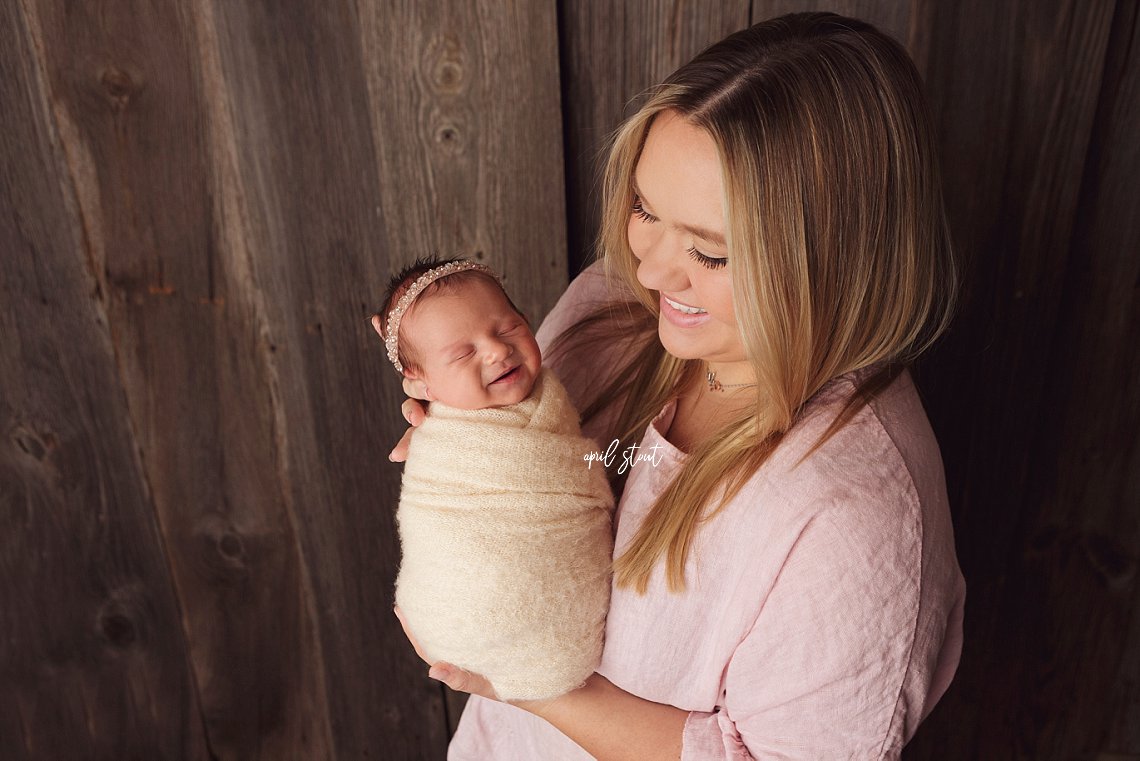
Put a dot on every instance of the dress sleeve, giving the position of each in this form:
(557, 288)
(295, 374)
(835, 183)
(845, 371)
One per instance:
(820, 674)
(589, 289)
(584, 370)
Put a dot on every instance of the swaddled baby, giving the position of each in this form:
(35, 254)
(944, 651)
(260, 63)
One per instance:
(505, 533)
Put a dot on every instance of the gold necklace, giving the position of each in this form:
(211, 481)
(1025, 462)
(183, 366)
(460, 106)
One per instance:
(715, 385)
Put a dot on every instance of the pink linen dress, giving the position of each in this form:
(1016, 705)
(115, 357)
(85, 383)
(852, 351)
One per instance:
(823, 612)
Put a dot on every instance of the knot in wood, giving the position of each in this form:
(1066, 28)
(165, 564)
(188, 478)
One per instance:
(449, 130)
(445, 65)
(222, 551)
(120, 621)
(29, 443)
(448, 135)
(119, 86)
(230, 546)
(1110, 560)
(118, 630)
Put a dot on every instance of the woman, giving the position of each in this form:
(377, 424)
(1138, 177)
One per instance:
(774, 252)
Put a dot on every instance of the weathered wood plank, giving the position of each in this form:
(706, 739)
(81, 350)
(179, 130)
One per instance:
(1080, 533)
(399, 144)
(467, 131)
(889, 16)
(1015, 88)
(128, 95)
(92, 655)
(611, 53)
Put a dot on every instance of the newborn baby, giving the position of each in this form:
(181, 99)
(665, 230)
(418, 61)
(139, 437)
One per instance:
(505, 533)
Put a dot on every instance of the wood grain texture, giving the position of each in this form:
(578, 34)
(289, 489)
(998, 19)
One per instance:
(1016, 89)
(889, 16)
(307, 197)
(379, 169)
(132, 114)
(1100, 431)
(611, 54)
(92, 655)
(467, 136)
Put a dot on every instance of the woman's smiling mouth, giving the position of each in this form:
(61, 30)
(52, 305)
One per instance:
(683, 308)
(683, 315)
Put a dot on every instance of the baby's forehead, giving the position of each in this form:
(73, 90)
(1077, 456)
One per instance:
(455, 312)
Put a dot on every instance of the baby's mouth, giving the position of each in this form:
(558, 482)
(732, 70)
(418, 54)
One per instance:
(508, 376)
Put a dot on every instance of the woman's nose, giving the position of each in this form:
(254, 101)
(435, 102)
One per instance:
(662, 267)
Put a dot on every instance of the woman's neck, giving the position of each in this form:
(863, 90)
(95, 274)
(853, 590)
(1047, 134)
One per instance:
(701, 411)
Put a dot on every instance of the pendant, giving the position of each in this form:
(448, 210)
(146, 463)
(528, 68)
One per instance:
(714, 384)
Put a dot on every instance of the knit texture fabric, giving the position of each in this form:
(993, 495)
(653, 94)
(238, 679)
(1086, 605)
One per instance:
(507, 543)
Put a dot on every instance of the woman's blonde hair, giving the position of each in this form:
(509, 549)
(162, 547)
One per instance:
(839, 247)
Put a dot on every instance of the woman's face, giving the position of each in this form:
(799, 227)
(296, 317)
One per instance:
(677, 232)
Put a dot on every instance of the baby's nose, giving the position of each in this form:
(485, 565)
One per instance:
(496, 353)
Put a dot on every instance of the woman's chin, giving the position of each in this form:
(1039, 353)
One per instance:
(692, 347)
(678, 346)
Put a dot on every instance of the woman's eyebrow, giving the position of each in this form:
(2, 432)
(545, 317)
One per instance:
(701, 232)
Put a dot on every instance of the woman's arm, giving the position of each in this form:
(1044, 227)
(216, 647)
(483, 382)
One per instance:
(606, 721)
(610, 723)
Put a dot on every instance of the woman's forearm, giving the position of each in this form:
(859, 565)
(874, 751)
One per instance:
(612, 724)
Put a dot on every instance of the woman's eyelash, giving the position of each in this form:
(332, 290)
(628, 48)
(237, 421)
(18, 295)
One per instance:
(712, 262)
(641, 213)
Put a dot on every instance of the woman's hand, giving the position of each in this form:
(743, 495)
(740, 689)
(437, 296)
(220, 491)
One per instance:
(607, 721)
(453, 676)
(414, 411)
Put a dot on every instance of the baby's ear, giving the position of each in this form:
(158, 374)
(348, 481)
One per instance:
(415, 386)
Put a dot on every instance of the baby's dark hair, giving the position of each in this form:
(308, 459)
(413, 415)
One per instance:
(403, 279)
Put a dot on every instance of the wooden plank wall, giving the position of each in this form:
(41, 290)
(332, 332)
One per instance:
(200, 203)
(207, 198)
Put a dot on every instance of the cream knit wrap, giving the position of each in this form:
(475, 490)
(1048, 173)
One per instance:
(507, 543)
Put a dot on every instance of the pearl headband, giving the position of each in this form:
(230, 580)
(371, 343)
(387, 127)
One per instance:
(392, 340)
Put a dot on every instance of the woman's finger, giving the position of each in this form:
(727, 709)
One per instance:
(413, 411)
(400, 452)
(461, 680)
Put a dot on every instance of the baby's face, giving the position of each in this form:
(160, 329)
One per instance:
(475, 351)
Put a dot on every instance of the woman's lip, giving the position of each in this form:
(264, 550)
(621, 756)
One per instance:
(679, 318)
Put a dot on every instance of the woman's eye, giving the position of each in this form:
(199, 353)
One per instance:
(640, 212)
(712, 262)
